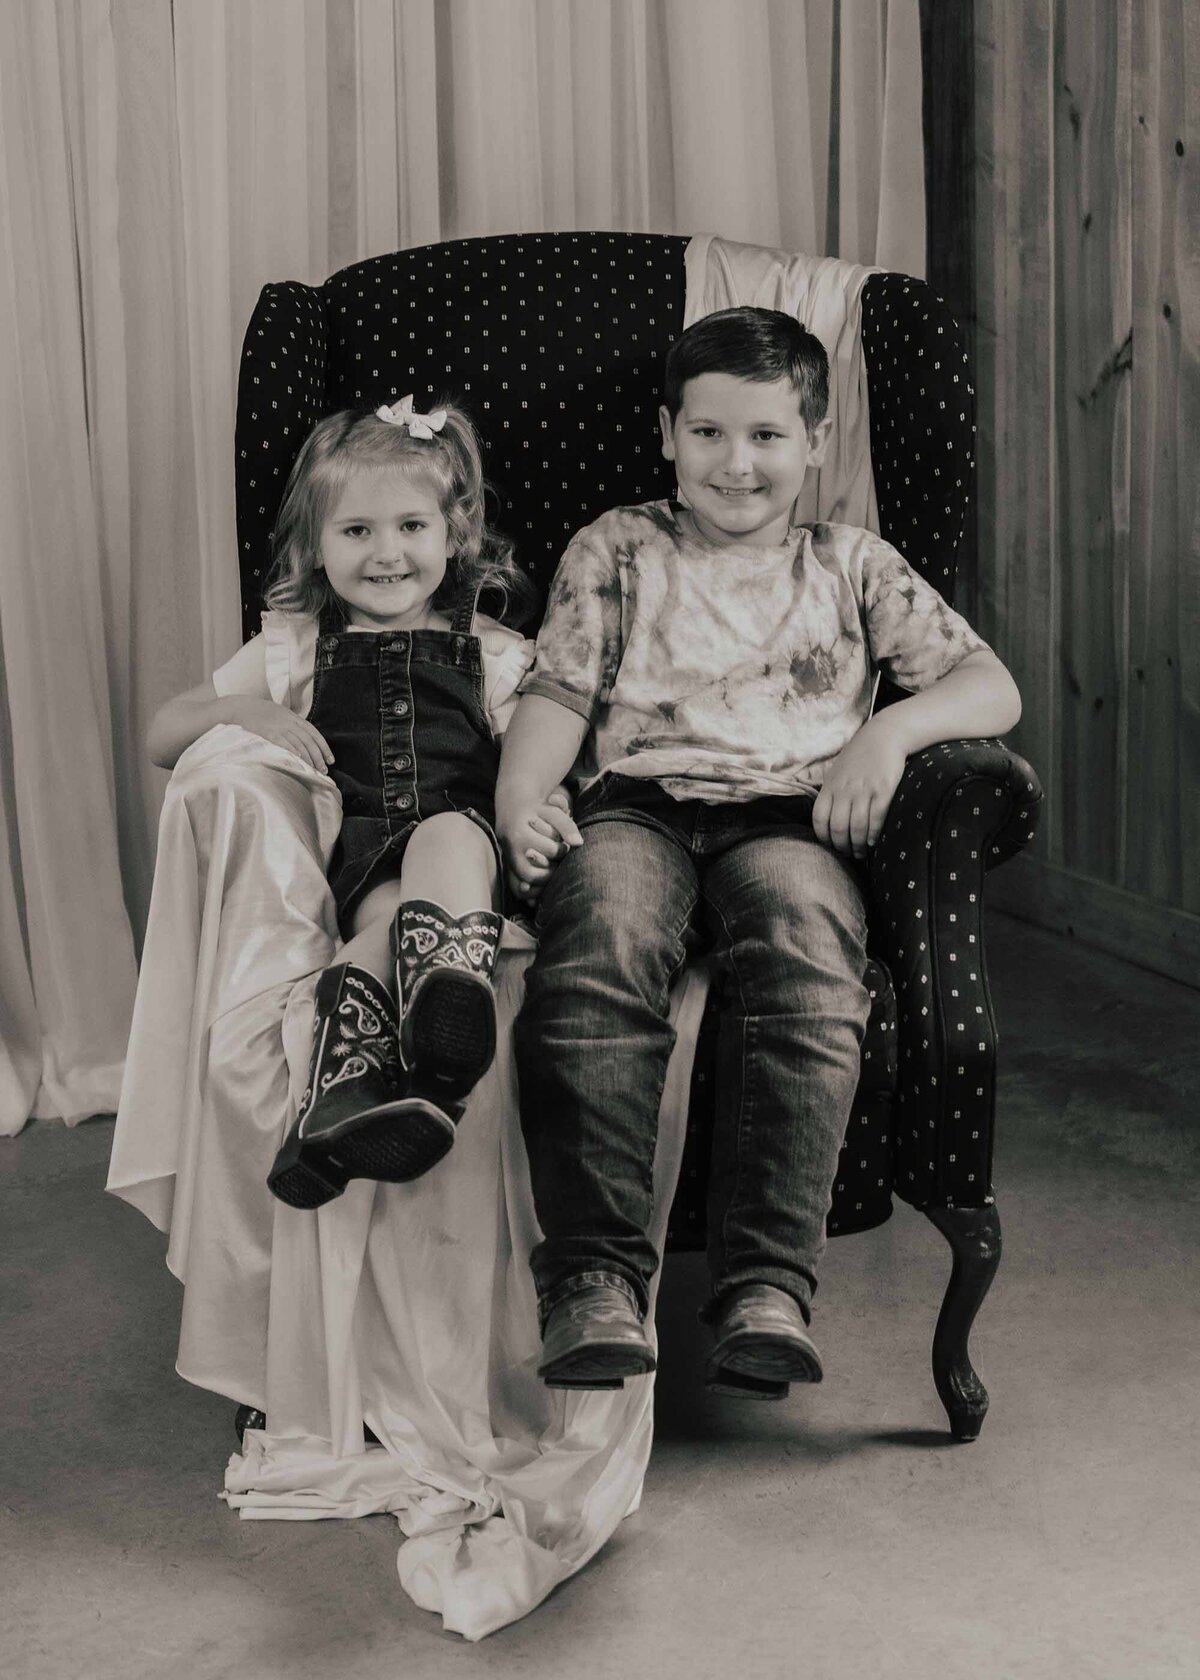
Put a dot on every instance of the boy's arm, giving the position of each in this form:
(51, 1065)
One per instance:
(978, 697)
(540, 746)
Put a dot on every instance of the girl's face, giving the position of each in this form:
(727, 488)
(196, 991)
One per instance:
(384, 547)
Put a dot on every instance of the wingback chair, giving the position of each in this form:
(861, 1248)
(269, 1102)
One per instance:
(555, 343)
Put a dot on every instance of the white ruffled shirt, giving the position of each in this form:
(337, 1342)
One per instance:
(279, 664)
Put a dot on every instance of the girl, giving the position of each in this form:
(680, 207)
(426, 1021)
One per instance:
(374, 666)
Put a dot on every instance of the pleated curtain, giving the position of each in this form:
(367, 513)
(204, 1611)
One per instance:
(158, 164)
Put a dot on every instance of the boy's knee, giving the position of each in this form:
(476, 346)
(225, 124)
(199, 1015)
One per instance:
(595, 919)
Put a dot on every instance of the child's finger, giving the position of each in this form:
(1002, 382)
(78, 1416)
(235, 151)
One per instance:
(535, 860)
(860, 825)
(820, 817)
(839, 825)
(303, 748)
(563, 825)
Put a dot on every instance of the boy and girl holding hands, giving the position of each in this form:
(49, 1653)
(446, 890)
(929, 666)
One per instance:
(704, 676)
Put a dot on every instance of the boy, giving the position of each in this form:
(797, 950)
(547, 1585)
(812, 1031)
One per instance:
(715, 663)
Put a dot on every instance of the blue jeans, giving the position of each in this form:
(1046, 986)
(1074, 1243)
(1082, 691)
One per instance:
(655, 879)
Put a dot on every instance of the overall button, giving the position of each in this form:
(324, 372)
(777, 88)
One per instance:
(328, 643)
(403, 801)
(404, 762)
(400, 707)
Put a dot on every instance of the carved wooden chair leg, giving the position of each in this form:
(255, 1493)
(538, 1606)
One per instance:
(974, 1238)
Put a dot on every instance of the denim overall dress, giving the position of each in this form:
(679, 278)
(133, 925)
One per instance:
(403, 712)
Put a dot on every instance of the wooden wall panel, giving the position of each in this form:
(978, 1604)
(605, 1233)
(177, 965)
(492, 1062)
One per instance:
(1087, 258)
(1163, 862)
(1016, 592)
(1090, 163)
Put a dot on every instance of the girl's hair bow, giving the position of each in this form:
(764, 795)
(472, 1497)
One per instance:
(418, 425)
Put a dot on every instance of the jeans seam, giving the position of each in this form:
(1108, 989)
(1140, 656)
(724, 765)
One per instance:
(745, 1103)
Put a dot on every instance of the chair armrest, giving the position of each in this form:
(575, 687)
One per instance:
(962, 807)
(281, 396)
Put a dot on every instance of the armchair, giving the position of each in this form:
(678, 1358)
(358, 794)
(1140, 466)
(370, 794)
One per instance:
(555, 342)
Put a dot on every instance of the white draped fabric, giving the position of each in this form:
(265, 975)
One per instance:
(158, 164)
(408, 1306)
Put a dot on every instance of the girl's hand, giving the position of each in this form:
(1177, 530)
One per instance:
(533, 838)
(278, 725)
(858, 788)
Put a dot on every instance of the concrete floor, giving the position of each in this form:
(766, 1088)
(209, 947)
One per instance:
(841, 1535)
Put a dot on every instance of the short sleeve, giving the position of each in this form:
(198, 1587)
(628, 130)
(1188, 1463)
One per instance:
(246, 672)
(915, 638)
(507, 657)
(579, 644)
(277, 664)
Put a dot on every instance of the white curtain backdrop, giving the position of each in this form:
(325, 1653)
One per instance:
(159, 164)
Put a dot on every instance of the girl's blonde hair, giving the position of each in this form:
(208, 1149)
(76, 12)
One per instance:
(449, 462)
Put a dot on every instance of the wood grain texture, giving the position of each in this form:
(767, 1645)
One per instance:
(1016, 605)
(1093, 355)
(1127, 925)
(1087, 275)
(1164, 716)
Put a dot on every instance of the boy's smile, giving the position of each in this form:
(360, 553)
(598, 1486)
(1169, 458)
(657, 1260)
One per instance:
(741, 451)
(384, 549)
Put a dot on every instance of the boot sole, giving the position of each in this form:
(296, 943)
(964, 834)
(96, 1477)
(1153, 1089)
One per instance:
(448, 1031)
(762, 1359)
(597, 1366)
(399, 1144)
(740, 1386)
(392, 1144)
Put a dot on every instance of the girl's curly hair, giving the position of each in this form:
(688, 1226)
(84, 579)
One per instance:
(450, 463)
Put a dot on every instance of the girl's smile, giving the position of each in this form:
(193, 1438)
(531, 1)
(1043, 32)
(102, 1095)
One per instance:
(384, 548)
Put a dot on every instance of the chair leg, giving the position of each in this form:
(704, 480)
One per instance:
(974, 1238)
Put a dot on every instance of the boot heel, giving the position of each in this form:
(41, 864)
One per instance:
(448, 1031)
(302, 1179)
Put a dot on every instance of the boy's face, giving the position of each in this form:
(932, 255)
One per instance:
(741, 450)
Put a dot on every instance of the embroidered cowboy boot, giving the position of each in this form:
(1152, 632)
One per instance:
(444, 966)
(354, 1119)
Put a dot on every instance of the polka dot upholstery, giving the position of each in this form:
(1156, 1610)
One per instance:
(281, 396)
(554, 343)
(922, 422)
(961, 808)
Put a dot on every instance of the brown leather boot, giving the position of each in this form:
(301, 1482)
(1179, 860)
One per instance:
(762, 1344)
(594, 1339)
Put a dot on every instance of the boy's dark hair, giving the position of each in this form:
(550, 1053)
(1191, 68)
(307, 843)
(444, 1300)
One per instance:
(751, 343)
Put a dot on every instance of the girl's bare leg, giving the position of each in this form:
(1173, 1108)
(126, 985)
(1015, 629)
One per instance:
(450, 861)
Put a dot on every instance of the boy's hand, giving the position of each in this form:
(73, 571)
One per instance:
(533, 837)
(278, 725)
(858, 788)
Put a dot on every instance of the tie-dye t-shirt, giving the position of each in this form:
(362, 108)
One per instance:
(730, 672)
